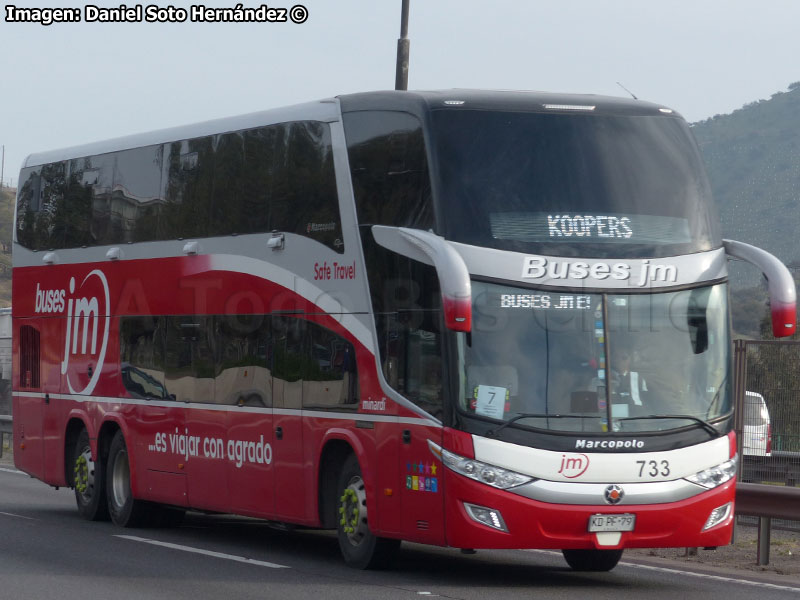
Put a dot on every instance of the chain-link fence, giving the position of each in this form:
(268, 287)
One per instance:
(768, 411)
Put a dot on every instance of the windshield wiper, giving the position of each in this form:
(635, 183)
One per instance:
(493, 432)
(704, 424)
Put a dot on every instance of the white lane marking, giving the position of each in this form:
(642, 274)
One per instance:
(232, 557)
(17, 516)
(772, 586)
(11, 471)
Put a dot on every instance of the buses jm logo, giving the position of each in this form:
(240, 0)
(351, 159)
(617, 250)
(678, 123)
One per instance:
(83, 323)
(574, 465)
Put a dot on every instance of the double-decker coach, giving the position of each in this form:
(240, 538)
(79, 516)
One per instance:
(464, 318)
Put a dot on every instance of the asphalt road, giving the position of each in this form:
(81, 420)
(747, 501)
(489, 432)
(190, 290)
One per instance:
(47, 550)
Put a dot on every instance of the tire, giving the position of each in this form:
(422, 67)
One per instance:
(592, 560)
(360, 548)
(88, 481)
(123, 508)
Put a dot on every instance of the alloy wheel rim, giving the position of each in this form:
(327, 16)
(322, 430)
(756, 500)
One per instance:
(353, 511)
(120, 479)
(84, 474)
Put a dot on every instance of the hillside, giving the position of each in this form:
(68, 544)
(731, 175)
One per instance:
(753, 161)
(6, 226)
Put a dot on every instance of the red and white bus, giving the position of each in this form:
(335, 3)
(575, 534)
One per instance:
(462, 318)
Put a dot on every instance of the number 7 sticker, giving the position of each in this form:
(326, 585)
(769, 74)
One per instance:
(491, 401)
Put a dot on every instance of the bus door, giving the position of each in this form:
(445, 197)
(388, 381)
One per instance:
(415, 366)
(422, 504)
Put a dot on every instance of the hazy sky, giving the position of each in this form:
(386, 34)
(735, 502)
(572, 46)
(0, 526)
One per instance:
(69, 83)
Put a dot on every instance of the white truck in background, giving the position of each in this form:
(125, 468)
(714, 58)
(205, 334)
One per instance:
(756, 427)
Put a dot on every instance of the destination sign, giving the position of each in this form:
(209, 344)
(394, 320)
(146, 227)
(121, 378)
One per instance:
(546, 301)
(592, 228)
(598, 226)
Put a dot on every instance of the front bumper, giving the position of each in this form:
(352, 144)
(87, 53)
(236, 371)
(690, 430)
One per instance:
(536, 524)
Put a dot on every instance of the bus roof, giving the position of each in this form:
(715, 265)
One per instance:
(500, 100)
(321, 110)
(327, 110)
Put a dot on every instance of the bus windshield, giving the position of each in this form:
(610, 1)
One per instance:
(561, 358)
(572, 184)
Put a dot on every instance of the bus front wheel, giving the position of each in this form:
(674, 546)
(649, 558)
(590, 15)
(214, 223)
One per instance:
(88, 481)
(124, 509)
(360, 548)
(592, 560)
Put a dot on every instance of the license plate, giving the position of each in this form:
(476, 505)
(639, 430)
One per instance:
(621, 522)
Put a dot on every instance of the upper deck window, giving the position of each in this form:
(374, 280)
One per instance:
(252, 181)
(589, 185)
(389, 169)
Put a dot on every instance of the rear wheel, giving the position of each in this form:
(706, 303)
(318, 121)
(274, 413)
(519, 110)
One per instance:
(360, 548)
(124, 509)
(592, 560)
(88, 481)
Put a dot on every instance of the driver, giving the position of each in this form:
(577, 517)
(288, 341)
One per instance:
(629, 385)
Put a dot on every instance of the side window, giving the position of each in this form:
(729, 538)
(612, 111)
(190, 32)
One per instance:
(142, 341)
(136, 199)
(190, 363)
(29, 357)
(312, 367)
(245, 348)
(188, 185)
(332, 378)
(391, 185)
(304, 198)
(239, 208)
(407, 304)
(72, 222)
(278, 177)
(91, 180)
(54, 210)
(389, 169)
(291, 361)
(111, 198)
(29, 198)
(251, 181)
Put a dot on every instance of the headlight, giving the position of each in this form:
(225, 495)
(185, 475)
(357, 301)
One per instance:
(715, 476)
(483, 472)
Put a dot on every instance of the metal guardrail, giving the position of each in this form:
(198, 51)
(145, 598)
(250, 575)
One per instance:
(5, 428)
(771, 501)
(767, 502)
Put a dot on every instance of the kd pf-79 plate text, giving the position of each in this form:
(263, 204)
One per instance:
(619, 522)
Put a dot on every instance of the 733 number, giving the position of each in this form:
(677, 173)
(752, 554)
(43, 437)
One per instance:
(653, 468)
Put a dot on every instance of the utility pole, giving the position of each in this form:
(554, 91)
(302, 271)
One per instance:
(2, 167)
(403, 46)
